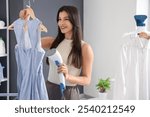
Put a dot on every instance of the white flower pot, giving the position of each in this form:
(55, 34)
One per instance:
(103, 96)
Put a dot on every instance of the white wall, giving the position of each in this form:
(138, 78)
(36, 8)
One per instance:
(148, 13)
(148, 23)
(105, 21)
(142, 8)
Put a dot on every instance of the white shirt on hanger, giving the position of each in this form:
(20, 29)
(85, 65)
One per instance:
(135, 66)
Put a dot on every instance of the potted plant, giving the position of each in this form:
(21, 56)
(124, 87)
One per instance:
(103, 86)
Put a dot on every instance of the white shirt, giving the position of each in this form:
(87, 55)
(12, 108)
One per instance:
(135, 68)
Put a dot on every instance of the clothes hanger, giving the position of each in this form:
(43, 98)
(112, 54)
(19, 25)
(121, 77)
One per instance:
(26, 14)
(43, 28)
(11, 27)
(30, 12)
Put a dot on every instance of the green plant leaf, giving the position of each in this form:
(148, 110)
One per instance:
(103, 84)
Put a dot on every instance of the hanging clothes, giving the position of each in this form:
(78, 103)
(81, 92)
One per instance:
(29, 56)
(135, 67)
(133, 82)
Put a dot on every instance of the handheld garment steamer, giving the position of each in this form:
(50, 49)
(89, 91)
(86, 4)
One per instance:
(55, 56)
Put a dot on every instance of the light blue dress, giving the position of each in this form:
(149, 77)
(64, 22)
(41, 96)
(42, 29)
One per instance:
(29, 56)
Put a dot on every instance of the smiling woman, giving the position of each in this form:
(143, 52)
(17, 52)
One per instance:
(64, 24)
(76, 55)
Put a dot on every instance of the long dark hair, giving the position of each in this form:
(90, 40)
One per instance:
(76, 52)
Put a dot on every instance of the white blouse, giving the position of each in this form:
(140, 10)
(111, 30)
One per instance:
(135, 68)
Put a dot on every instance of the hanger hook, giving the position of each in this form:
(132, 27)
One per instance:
(28, 2)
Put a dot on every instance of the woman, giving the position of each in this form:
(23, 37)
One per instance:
(76, 55)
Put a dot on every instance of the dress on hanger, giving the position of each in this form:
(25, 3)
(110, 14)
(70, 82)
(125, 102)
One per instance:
(29, 56)
(135, 64)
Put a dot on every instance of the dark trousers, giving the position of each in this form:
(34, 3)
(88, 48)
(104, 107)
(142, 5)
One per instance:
(54, 93)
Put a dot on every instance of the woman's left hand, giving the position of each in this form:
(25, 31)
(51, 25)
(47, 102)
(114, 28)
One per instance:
(63, 68)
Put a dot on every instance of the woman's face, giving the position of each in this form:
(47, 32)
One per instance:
(65, 24)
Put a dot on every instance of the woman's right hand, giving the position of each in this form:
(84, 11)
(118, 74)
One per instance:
(30, 12)
(25, 13)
